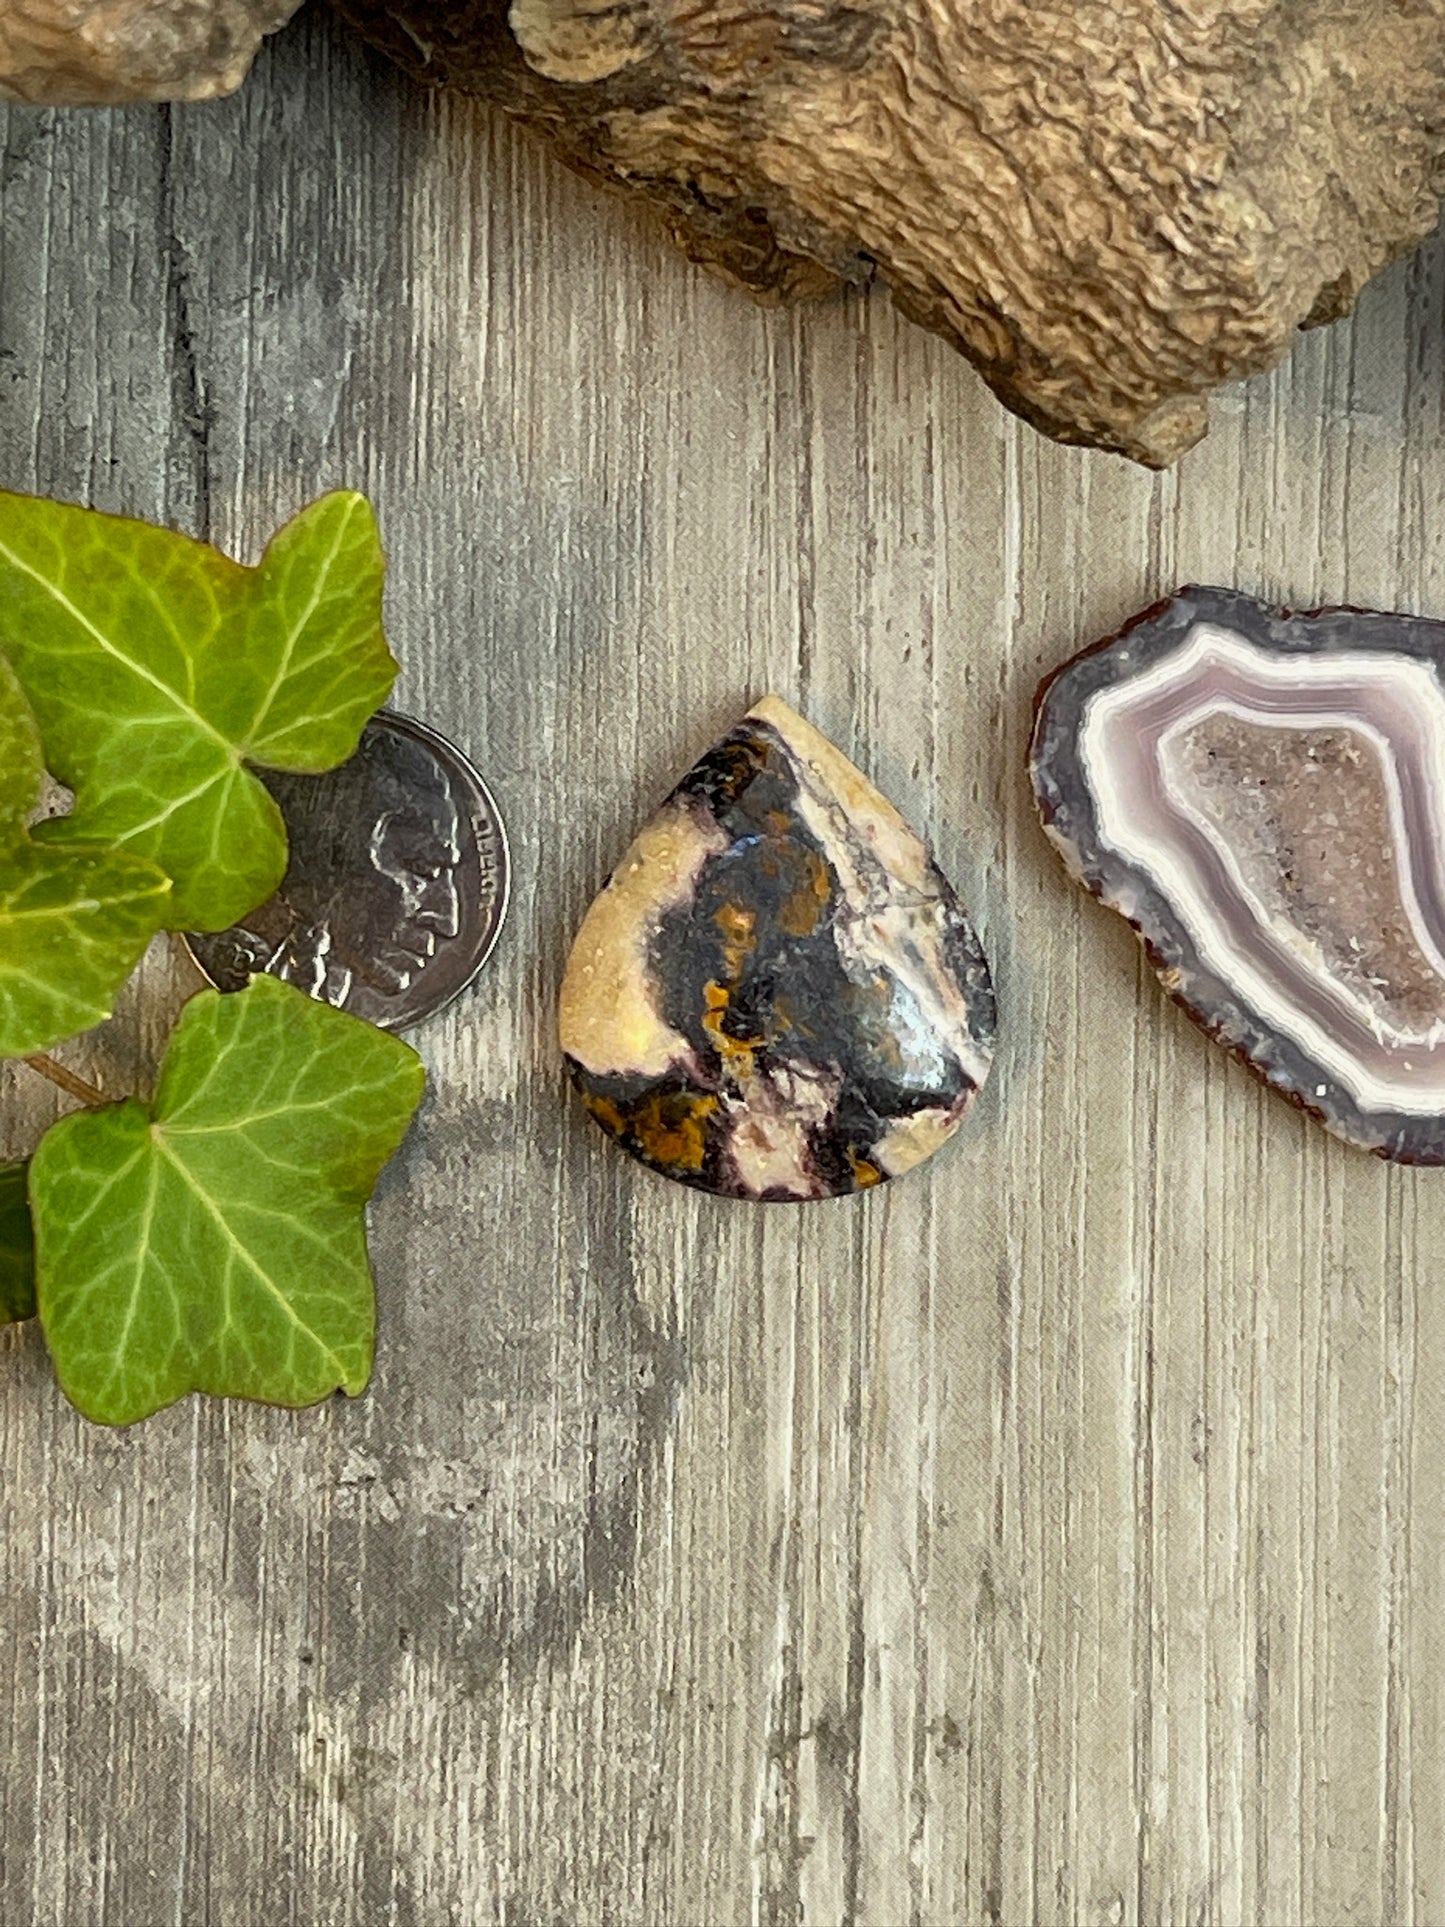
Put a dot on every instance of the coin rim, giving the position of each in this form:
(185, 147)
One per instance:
(434, 739)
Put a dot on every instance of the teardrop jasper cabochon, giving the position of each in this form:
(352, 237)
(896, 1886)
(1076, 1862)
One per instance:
(777, 995)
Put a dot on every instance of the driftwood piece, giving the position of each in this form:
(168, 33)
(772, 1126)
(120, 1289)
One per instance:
(1110, 206)
(95, 52)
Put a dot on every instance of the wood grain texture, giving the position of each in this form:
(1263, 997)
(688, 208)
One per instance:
(1050, 1538)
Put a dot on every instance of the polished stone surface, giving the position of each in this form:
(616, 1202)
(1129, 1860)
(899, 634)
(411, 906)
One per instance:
(777, 995)
(1262, 795)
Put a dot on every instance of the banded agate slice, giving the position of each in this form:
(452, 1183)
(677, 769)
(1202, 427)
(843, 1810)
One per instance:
(777, 996)
(1262, 795)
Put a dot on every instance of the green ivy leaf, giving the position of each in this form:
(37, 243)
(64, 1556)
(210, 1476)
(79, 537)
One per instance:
(73, 920)
(22, 760)
(215, 1240)
(17, 1248)
(158, 669)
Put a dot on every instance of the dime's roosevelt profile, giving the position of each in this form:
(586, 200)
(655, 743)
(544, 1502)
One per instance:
(395, 887)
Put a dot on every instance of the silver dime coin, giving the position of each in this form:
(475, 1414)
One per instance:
(396, 886)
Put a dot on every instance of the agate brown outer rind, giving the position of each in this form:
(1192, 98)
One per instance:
(1262, 795)
(777, 995)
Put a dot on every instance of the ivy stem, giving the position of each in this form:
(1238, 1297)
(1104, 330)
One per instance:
(72, 1085)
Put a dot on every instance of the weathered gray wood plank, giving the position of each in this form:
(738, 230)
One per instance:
(1050, 1540)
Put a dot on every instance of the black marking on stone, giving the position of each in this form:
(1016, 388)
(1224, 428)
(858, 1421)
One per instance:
(790, 999)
